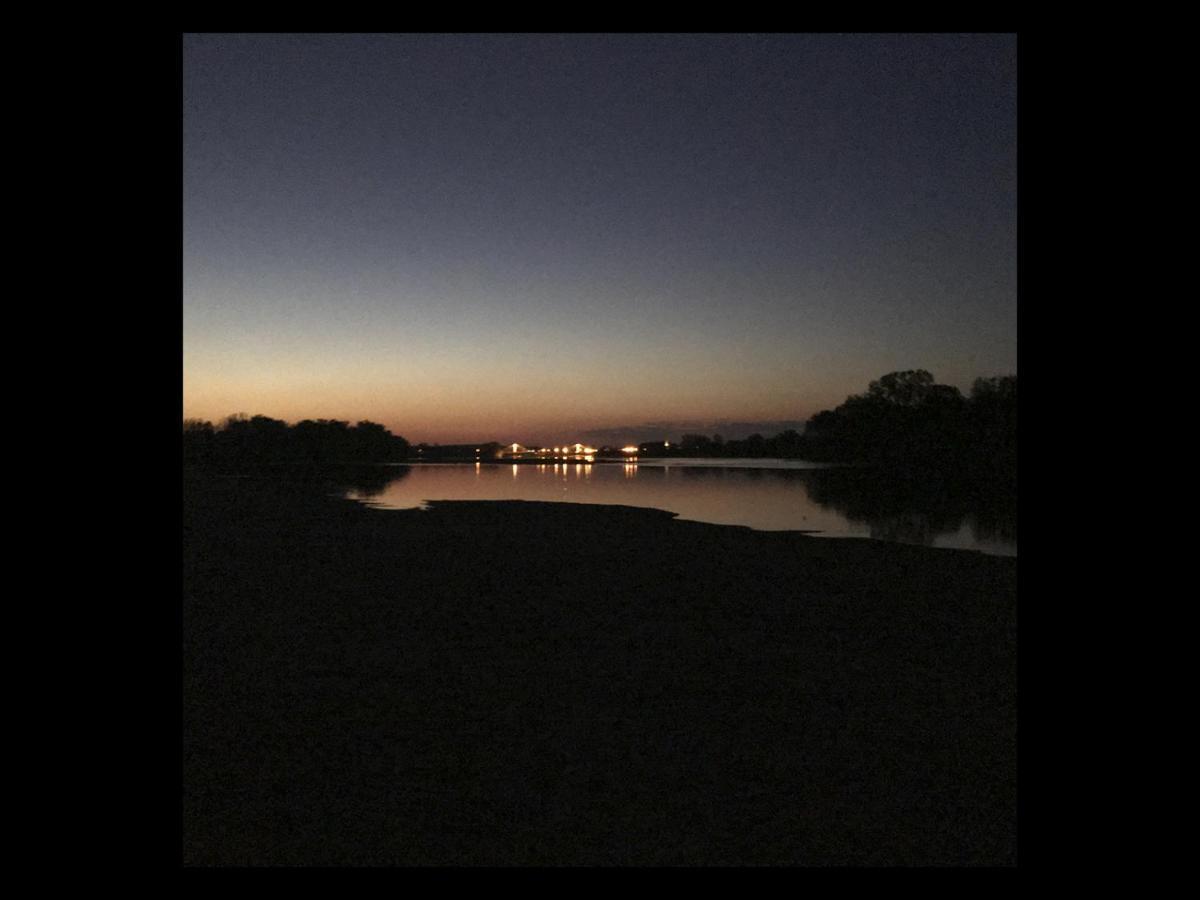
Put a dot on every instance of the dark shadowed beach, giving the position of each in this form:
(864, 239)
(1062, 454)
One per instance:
(520, 683)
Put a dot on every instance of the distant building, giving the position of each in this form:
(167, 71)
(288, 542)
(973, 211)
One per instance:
(575, 451)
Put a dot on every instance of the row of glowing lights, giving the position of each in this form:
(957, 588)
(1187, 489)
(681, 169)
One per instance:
(588, 453)
(578, 448)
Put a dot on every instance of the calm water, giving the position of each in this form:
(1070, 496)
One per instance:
(768, 495)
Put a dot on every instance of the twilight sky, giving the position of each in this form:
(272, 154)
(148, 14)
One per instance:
(532, 237)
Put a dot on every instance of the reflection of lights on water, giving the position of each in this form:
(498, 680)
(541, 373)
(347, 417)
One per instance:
(477, 468)
(515, 467)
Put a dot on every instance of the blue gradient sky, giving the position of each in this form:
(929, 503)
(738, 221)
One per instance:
(527, 237)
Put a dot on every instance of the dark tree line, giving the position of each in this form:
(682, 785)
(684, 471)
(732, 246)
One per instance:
(243, 440)
(488, 450)
(905, 419)
(786, 444)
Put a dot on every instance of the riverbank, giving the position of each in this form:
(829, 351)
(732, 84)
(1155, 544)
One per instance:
(520, 683)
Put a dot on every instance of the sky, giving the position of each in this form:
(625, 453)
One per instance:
(533, 237)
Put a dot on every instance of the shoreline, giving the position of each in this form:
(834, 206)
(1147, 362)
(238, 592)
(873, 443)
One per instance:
(531, 683)
(836, 503)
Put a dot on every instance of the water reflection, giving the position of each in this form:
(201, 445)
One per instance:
(834, 502)
(364, 482)
(919, 510)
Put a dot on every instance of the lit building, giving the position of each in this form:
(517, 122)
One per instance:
(565, 451)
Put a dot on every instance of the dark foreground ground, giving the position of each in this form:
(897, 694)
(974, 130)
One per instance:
(501, 683)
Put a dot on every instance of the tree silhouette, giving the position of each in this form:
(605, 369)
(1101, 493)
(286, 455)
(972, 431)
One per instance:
(243, 440)
(908, 419)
